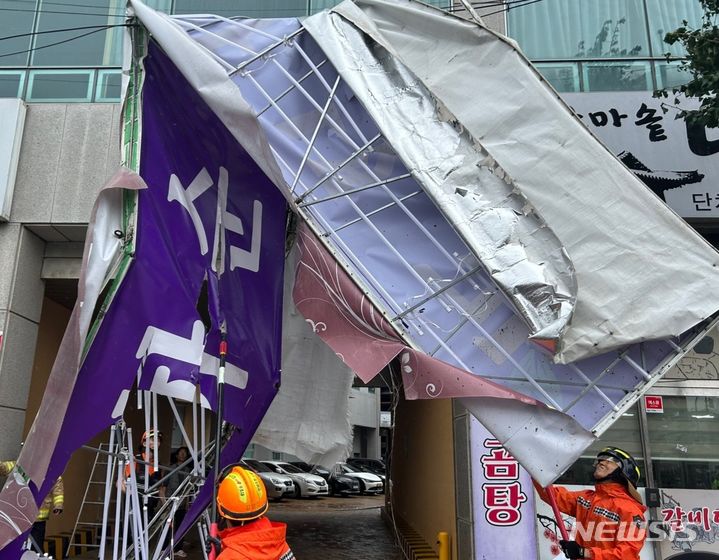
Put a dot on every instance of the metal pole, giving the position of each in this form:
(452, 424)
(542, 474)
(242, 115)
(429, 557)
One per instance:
(557, 513)
(443, 542)
(647, 454)
(214, 531)
(118, 508)
(106, 504)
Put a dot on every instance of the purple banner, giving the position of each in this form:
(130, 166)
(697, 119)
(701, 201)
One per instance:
(207, 202)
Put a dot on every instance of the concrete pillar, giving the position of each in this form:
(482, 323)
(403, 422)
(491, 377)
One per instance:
(21, 296)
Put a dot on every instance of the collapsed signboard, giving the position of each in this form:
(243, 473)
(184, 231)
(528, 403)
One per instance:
(469, 241)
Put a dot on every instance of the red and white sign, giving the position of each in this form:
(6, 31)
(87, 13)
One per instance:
(654, 403)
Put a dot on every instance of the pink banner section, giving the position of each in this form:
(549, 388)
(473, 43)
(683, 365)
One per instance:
(362, 337)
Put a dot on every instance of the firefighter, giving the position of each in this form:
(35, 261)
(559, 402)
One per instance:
(609, 519)
(150, 441)
(242, 503)
(53, 502)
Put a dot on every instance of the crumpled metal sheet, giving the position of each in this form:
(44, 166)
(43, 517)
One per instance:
(632, 283)
(406, 257)
(522, 255)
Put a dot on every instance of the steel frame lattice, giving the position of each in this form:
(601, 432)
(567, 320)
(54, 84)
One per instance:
(353, 189)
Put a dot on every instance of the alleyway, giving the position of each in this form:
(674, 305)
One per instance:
(333, 529)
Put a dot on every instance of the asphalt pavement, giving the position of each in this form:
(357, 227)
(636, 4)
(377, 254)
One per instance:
(331, 528)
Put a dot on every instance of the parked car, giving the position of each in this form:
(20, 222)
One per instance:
(277, 485)
(314, 469)
(369, 483)
(367, 466)
(306, 484)
(376, 466)
(342, 484)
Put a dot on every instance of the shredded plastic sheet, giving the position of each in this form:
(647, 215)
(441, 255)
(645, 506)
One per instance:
(309, 416)
(628, 287)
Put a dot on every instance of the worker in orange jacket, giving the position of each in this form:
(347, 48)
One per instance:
(242, 503)
(609, 519)
(53, 502)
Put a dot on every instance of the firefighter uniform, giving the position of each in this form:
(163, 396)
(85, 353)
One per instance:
(258, 540)
(610, 522)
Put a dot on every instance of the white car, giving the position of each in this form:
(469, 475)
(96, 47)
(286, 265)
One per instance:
(277, 485)
(369, 483)
(306, 484)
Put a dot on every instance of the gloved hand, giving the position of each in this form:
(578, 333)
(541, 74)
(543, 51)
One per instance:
(213, 542)
(571, 549)
(57, 511)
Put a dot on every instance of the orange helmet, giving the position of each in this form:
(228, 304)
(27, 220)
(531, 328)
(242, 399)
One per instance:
(241, 495)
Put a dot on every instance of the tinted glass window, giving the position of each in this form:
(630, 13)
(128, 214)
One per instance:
(554, 29)
(93, 46)
(248, 8)
(11, 84)
(617, 76)
(666, 16)
(60, 86)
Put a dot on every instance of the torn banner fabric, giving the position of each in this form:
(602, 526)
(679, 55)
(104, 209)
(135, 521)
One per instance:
(344, 318)
(208, 217)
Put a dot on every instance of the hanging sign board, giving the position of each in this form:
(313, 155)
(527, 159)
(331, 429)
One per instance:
(654, 404)
(678, 162)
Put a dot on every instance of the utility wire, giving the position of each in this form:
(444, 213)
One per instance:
(33, 33)
(63, 41)
(104, 14)
(47, 3)
(510, 4)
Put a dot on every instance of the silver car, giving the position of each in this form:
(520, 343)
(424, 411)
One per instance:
(277, 485)
(306, 484)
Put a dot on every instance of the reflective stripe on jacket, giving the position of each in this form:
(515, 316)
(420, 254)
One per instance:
(259, 540)
(54, 500)
(609, 521)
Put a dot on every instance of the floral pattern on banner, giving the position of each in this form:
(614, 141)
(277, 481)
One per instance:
(365, 340)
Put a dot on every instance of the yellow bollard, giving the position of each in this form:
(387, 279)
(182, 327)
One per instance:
(443, 542)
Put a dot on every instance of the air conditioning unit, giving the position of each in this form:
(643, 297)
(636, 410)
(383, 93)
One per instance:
(12, 122)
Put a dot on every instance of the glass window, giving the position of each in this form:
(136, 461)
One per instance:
(58, 85)
(319, 5)
(617, 76)
(684, 441)
(555, 29)
(562, 76)
(83, 47)
(249, 8)
(16, 19)
(669, 75)
(666, 16)
(11, 83)
(109, 85)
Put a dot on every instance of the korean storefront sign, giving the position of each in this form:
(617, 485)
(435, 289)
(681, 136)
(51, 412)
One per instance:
(503, 501)
(678, 162)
